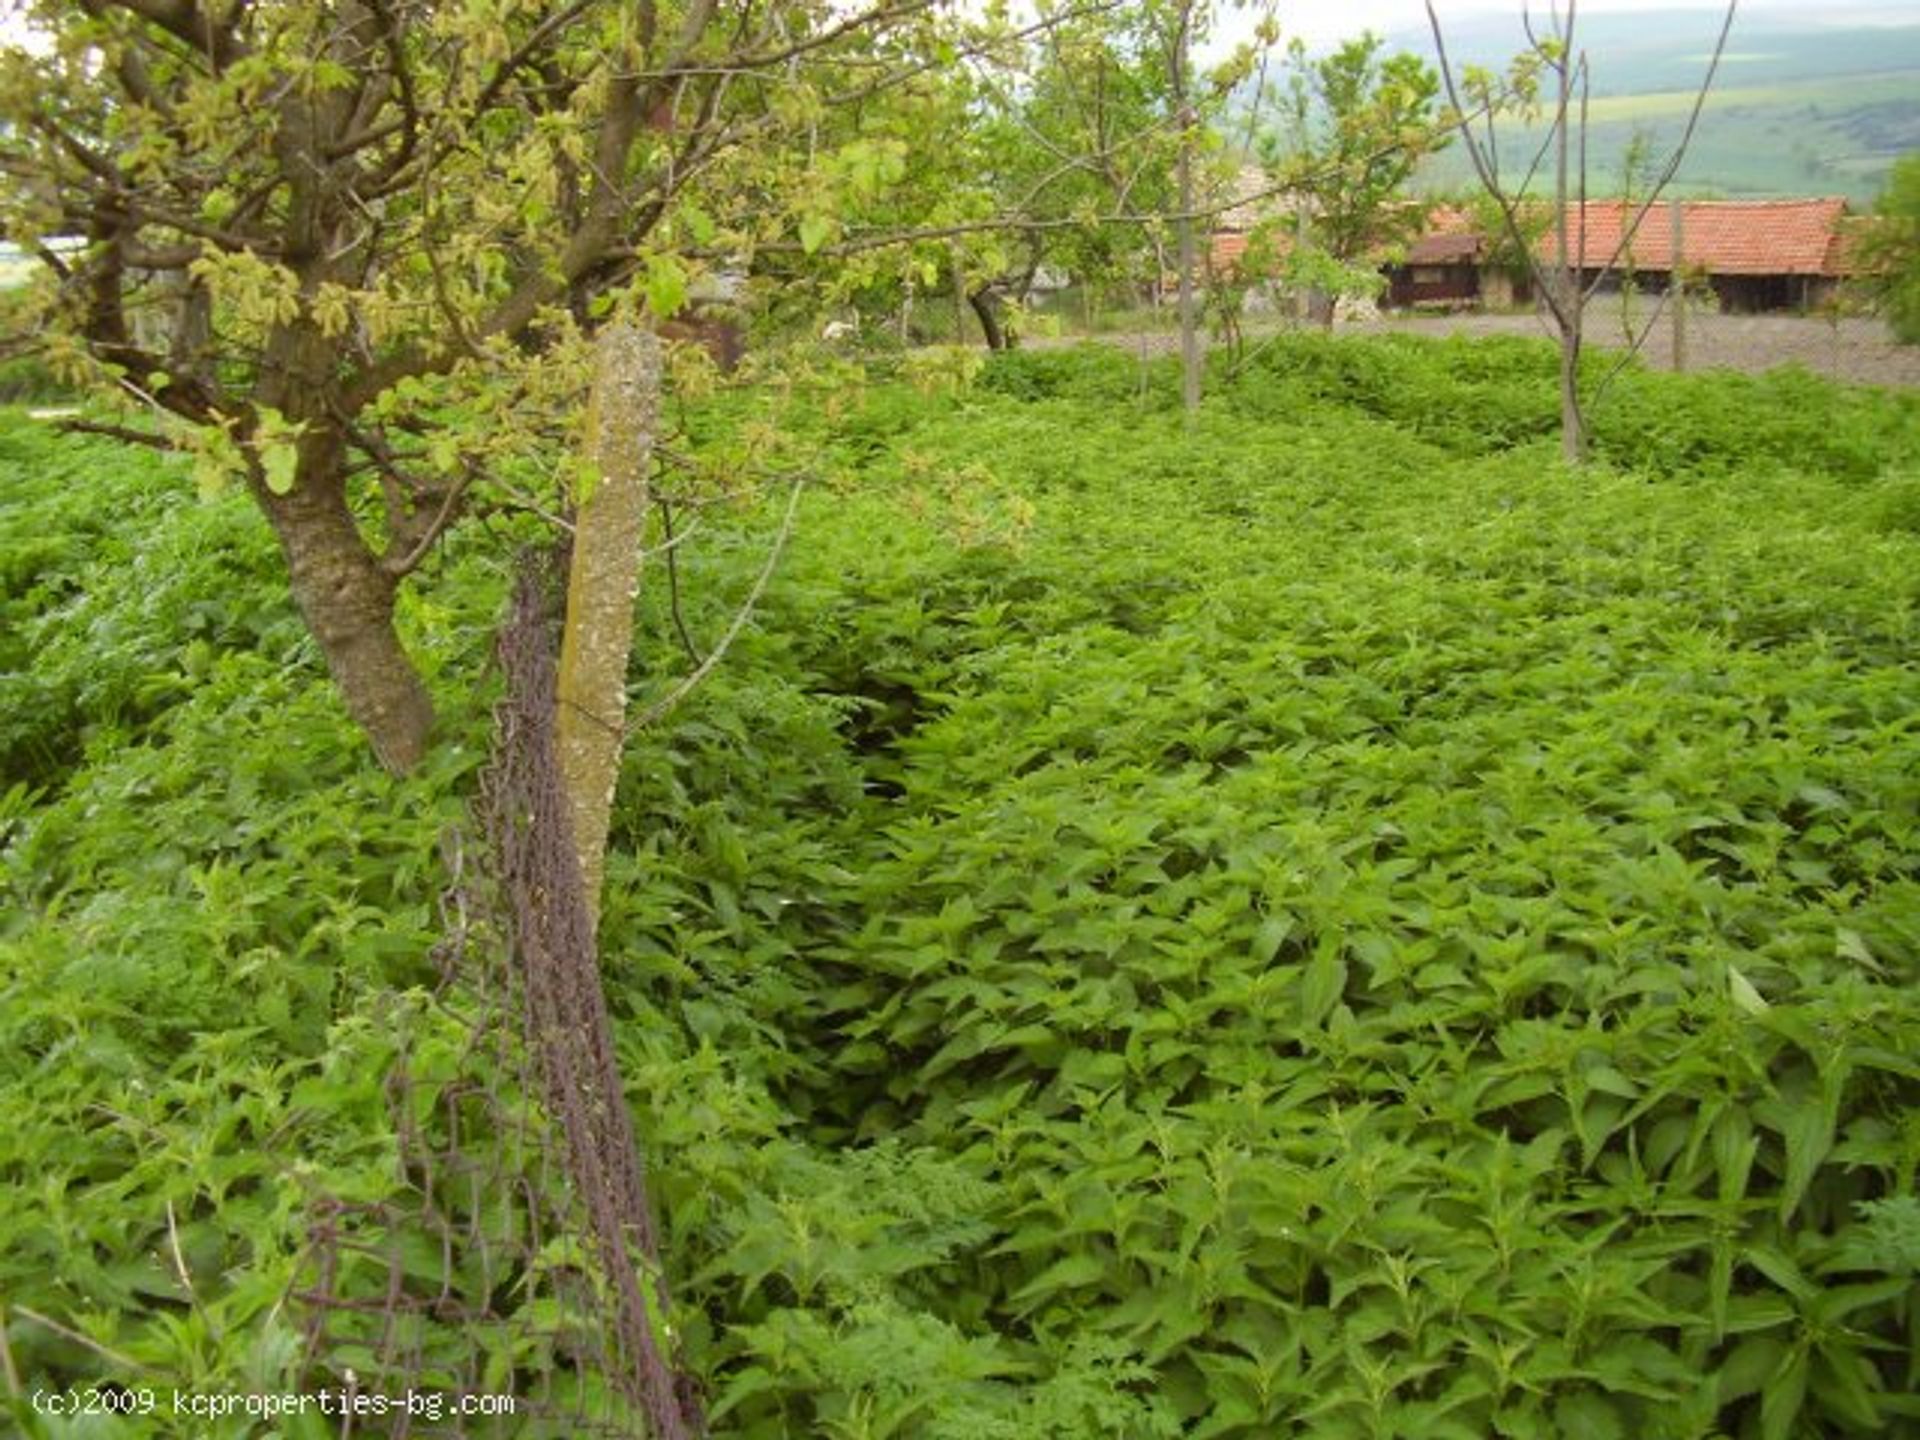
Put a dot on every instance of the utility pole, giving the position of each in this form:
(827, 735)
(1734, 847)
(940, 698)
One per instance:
(1570, 278)
(1677, 286)
(1189, 318)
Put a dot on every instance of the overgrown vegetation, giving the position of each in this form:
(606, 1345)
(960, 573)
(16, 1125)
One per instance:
(1889, 249)
(1323, 921)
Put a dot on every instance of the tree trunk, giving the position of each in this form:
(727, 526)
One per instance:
(1571, 277)
(603, 580)
(987, 307)
(1573, 425)
(347, 601)
(959, 295)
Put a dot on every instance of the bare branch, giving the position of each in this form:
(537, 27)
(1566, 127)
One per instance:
(690, 682)
(670, 548)
(524, 54)
(880, 15)
(436, 527)
(1674, 162)
(1635, 344)
(1489, 178)
(407, 123)
(125, 433)
(189, 24)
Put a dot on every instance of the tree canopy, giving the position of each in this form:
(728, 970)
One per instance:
(1889, 248)
(352, 254)
(1354, 125)
(316, 234)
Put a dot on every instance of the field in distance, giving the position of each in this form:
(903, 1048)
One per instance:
(1800, 107)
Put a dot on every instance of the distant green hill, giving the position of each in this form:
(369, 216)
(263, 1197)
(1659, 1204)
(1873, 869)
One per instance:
(1798, 108)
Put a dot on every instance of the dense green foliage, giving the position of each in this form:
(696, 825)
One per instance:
(1353, 126)
(1323, 922)
(1890, 249)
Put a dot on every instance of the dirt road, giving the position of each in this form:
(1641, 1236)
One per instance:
(1859, 351)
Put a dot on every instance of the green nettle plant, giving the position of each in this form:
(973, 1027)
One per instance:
(1321, 920)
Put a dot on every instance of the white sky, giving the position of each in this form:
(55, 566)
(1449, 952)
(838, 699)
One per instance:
(1322, 23)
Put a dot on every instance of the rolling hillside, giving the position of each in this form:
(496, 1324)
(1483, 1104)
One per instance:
(1801, 106)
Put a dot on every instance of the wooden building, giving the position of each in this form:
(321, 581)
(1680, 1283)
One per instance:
(1442, 268)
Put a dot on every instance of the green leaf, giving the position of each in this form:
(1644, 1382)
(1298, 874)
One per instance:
(1734, 1148)
(279, 462)
(1844, 1385)
(1781, 1397)
(1066, 1274)
(1781, 1270)
(1322, 983)
(1270, 936)
(815, 231)
(1808, 1134)
(1753, 1362)
(1588, 1415)
(666, 286)
(700, 226)
(1744, 995)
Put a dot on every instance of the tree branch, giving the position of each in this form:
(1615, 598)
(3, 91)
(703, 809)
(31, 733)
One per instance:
(1672, 167)
(125, 433)
(679, 692)
(189, 24)
(1489, 179)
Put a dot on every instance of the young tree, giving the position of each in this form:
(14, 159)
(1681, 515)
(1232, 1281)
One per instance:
(1180, 37)
(1073, 138)
(1888, 249)
(355, 249)
(1196, 104)
(1572, 277)
(1637, 163)
(1353, 128)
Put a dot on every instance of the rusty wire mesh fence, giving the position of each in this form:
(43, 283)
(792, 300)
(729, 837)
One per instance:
(517, 1258)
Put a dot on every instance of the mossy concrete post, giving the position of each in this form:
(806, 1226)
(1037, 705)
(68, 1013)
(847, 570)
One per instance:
(603, 582)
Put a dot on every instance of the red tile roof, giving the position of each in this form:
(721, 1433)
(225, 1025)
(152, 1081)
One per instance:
(1721, 237)
(1223, 254)
(1225, 251)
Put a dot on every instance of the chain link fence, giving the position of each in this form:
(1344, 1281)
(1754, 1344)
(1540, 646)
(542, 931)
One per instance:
(518, 1256)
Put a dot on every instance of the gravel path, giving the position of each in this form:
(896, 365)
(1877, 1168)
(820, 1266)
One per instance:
(1859, 351)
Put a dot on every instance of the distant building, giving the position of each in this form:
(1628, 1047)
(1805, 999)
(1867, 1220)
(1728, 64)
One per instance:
(1753, 254)
(1449, 265)
(1252, 203)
